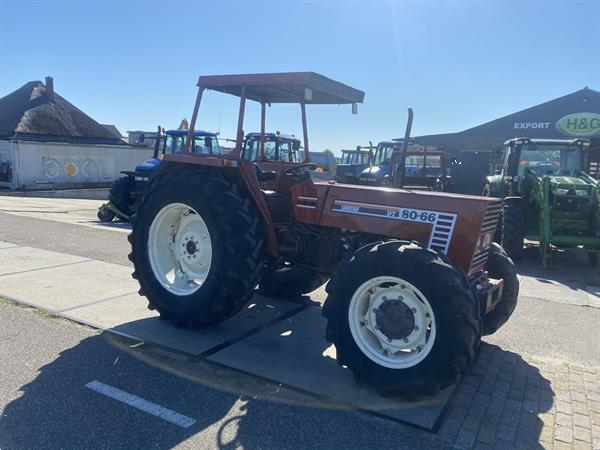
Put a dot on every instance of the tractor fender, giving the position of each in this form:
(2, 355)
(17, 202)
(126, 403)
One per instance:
(241, 171)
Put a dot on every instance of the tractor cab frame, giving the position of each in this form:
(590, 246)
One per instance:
(275, 147)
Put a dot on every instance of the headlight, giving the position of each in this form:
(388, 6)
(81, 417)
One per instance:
(582, 193)
(560, 191)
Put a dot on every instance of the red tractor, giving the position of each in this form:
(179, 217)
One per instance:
(414, 278)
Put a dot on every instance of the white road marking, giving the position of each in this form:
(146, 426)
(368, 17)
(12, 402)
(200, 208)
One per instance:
(143, 405)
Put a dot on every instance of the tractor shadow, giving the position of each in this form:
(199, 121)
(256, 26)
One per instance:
(56, 410)
(501, 402)
(572, 270)
(232, 409)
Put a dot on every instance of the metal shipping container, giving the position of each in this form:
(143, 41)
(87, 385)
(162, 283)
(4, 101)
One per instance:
(52, 165)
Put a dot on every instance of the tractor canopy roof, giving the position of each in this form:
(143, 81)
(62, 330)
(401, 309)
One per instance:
(285, 87)
(568, 142)
(273, 136)
(186, 132)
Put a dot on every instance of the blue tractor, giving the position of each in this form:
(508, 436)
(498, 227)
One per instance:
(126, 190)
(424, 167)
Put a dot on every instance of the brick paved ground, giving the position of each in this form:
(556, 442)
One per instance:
(508, 401)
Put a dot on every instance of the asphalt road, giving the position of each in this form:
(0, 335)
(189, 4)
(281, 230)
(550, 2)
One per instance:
(108, 246)
(538, 327)
(46, 363)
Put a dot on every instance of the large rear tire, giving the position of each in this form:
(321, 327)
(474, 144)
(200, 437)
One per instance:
(501, 267)
(121, 194)
(290, 281)
(403, 320)
(196, 246)
(513, 227)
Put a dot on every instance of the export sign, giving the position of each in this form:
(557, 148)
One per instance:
(579, 124)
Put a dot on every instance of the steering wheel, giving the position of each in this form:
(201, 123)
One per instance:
(300, 169)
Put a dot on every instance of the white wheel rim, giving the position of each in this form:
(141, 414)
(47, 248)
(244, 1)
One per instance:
(180, 249)
(411, 341)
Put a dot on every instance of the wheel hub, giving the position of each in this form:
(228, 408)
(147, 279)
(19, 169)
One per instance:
(180, 248)
(190, 247)
(395, 319)
(392, 322)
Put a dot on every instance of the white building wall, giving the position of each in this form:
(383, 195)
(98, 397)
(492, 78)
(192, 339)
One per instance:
(47, 165)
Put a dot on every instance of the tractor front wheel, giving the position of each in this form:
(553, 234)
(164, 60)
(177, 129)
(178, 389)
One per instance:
(105, 215)
(501, 267)
(121, 195)
(513, 227)
(196, 247)
(402, 319)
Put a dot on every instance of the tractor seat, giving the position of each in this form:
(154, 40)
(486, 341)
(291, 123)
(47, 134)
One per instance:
(262, 175)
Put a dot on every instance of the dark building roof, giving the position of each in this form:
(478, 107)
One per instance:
(35, 112)
(113, 129)
(540, 121)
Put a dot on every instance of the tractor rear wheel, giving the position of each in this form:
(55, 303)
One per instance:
(196, 246)
(121, 194)
(290, 281)
(402, 319)
(513, 227)
(501, 267)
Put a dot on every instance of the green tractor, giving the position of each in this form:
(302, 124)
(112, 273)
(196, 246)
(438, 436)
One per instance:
(548, 197)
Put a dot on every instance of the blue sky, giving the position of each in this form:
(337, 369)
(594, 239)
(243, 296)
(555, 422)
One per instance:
(458, 64)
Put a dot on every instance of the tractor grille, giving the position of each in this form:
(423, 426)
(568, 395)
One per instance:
(488, 228)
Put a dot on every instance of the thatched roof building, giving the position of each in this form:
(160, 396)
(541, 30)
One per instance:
(34, 112)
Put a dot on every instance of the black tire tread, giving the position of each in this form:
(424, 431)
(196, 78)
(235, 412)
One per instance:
(500, 266)
(513, 227)
(428, 271)
(242, 247)
(121, 194)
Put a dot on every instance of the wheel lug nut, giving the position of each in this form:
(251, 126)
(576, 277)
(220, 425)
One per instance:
(416, 328)
(402, 286)
(363, 324)
(405, 341)
(389, 339)
(419, 348)
(427, 315)
(384, 298)
(414, 310)
(374, 310)
(400, 298)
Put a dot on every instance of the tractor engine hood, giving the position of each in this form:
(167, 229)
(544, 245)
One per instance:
(461, 226)
(571, 186)
(375, 173)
